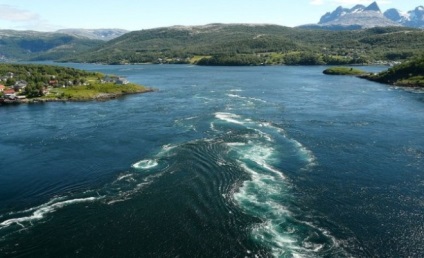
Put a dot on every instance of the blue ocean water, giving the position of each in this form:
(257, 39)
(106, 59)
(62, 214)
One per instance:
(218, 162)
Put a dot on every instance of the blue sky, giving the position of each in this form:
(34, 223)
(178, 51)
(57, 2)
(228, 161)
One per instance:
(50, 15)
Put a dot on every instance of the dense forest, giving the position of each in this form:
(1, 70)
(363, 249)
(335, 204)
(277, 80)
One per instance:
(243, 44)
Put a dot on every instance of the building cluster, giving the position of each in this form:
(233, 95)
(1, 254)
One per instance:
(11, 92)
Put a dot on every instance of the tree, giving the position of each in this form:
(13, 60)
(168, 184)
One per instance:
(10, 82)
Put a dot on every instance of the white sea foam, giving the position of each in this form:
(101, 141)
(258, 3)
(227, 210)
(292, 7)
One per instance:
(42, 210)
(266, 193)
(231, 95)
(127, 176)
(259, 196)
(54, 200)
(168, 147)
(258, 100)
(262, 129)
(305, 153)
(145, 164)
(229, 117)
(235, 96)
(265, 135)
(232, 144)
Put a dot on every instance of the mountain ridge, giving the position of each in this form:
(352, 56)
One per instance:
(98, 34)
(363, 17)
(413, 18)
(34, 45)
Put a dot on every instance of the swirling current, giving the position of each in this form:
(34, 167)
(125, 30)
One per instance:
(218, 162)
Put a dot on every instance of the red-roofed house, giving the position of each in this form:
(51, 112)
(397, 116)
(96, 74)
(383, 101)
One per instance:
(2, 88)
(8, 91)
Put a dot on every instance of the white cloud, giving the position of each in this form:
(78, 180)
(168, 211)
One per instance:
(18, 19)
(13, 14)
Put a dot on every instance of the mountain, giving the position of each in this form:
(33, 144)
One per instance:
(373, 8)
(359, 16)
(413, 18)
(32, 45)
(98, 34)
(396, 15)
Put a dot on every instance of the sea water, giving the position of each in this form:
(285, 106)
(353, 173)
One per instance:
(218, 162)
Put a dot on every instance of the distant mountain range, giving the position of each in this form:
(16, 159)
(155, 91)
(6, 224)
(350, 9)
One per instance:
(413, 18)
(99, 34)
(362, 17)
(33, 45)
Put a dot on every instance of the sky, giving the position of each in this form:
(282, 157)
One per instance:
(51, 15)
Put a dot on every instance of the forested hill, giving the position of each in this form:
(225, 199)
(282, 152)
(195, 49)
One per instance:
(256, 44)
(410, 73)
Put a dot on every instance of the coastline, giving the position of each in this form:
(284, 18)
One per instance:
(101, 97)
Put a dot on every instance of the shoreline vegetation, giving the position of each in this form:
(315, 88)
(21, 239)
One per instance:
(31, 83)
(407, 74)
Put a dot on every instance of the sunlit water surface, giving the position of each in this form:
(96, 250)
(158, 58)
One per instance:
(219, 162)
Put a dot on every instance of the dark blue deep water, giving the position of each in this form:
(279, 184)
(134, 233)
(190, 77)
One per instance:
(219, 162)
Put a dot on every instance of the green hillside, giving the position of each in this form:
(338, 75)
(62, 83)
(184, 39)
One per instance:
(31, 45)
(410, 73)
(235, 44)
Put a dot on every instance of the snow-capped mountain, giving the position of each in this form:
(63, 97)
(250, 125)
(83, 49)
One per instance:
(359, 16)
(413, 18)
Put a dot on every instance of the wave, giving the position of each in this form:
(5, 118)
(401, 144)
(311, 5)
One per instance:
(122, 188)
(269, 132)
(39, 212)
(229, 117)
(145, 164)
(267, 194)
(231, 95)
(254, 147)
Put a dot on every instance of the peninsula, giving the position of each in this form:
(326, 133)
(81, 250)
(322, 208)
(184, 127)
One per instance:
(30, 83)
(407, 74)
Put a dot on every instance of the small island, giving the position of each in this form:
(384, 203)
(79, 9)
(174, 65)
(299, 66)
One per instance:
(407, 74)
(33, 83)
(344, 71)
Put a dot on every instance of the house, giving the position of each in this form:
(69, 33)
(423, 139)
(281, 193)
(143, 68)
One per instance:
(9, 94)
(8, 91)
(20, 85)
(2, 88)
(121, 80)
(53, 82)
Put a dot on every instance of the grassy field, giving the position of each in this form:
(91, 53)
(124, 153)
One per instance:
(95, 91)
(343, 71)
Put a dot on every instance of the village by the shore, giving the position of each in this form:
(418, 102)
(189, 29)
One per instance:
(16, 93)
